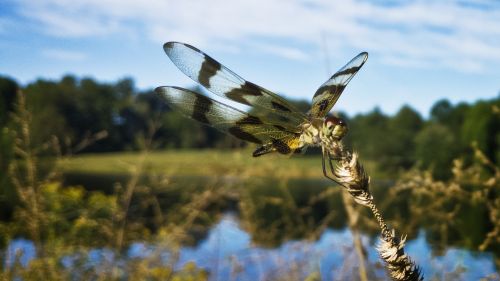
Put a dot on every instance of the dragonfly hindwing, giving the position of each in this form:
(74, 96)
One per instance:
(201, 107)
(275, 145)
(225, 118)
(238, 131)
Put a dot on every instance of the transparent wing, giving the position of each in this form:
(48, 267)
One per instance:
(224, 117)
(223, 82)
(328, 94)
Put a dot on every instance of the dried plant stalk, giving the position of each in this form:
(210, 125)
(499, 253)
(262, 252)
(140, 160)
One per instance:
(351, 175)
(400, 265)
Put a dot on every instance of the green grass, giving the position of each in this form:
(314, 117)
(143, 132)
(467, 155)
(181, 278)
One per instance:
(198, 163)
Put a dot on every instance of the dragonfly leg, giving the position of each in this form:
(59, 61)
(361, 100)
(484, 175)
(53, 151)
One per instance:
(330, 158)
(325, 173)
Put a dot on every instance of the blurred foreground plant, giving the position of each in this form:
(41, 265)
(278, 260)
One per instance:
(76, 234)
(473, 191)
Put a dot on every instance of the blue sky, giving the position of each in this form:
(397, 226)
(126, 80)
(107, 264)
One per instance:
(420, 51)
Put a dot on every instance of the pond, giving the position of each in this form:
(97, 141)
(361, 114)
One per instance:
(272, 229)
(228, 253)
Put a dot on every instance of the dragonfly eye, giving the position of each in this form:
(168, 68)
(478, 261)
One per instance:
(335, 127)
(332, 121)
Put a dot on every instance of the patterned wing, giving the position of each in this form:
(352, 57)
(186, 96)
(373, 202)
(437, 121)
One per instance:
(228, 119)
(223, 82)
(328, 94)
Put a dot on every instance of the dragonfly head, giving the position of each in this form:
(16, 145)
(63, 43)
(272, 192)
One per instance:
(334, 127)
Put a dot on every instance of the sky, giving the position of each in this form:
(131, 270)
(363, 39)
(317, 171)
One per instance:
(419, 51)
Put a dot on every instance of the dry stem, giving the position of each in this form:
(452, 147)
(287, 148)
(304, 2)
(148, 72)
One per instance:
(351, 175)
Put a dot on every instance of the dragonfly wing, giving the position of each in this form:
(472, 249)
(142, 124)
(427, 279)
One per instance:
(228, 119)
(225, 83)
(328, 94)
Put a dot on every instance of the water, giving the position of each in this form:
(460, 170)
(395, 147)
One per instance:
(265, 229)
(228, 253)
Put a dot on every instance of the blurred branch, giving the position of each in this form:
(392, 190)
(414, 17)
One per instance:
(353, 217)
(137, 170)
(24, 174)
(88, 140)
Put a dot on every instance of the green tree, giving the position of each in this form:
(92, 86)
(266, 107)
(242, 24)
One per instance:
(453, 118)
(402, 129)
(77, 109)
(435, 149)
(8, 91)
(44, 101)
(370, 136)
(443, 112)
(482, 126)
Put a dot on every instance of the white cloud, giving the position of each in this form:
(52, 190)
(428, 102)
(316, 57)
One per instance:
(64, 55)
(453, 34)
(283, 51)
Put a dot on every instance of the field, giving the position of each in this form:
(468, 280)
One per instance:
(199, 163)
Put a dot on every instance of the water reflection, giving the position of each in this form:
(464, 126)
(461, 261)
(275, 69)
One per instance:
(292, 229)
(228, 253)
(227, 245)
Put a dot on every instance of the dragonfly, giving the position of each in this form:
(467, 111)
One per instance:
(272, 122)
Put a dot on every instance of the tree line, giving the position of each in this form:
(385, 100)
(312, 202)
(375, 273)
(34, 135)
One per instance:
(75, 109)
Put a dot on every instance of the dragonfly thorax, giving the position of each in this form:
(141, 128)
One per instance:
(323, 131)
